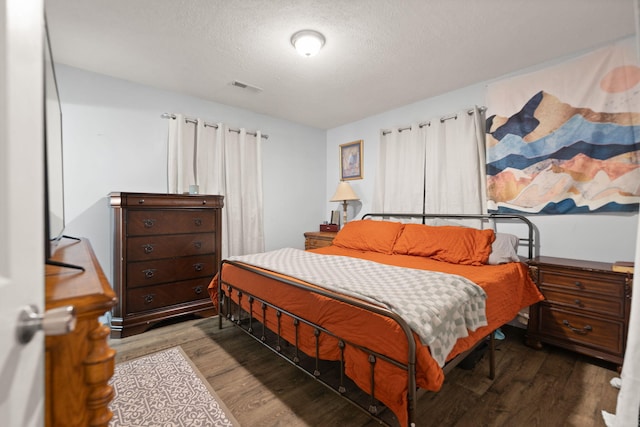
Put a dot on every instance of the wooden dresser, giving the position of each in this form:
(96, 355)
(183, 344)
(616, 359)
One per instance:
(166, 251)
(318, 239)
(586, 307)
(78, 365)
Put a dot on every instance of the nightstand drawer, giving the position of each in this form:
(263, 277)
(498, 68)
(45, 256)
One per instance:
(318, 239)
(595, 283)
(586, 302)
(598, 333)
(311, 243)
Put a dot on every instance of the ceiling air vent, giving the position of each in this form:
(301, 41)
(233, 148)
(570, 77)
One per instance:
(246, 86)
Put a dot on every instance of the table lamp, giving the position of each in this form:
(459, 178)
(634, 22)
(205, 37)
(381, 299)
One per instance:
(343, 194)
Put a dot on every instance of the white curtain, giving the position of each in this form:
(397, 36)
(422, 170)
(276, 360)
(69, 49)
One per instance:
(226, 162)
(181, 171)
(455, 174)
(439, 167)
(243, 195)
(398, 186)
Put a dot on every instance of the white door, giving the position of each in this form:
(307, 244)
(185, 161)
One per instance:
(21, 209)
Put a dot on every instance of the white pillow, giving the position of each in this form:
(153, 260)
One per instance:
(504, 249)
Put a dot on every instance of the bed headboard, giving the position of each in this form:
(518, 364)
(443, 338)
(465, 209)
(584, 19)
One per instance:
(528, 241)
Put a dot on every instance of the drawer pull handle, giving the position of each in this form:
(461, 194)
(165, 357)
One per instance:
(197, 245)
(197, 222)
(148, 248)
(198, 266)
(582, 331)
(148, 223)
(148, 299)
(149, 273)
(198, 290)
(578, 303)
(579, 285)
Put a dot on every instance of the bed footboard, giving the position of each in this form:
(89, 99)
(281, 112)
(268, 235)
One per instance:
(266, 321)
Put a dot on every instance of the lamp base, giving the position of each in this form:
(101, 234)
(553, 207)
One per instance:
(344, 212)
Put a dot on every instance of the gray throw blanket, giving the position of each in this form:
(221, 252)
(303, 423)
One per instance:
(439, 307)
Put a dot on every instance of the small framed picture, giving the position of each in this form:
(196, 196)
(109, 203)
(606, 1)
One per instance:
(351, 160)
(335, 217)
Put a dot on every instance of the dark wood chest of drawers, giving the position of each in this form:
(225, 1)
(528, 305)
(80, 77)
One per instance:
(586, 307)
(166, 251)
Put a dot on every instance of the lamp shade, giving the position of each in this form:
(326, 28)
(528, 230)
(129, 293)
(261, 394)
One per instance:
(344, 192)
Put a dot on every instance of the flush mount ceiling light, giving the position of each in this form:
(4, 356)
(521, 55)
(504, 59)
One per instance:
(307, 42)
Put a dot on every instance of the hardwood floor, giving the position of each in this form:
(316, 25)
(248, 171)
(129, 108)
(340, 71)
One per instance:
(549, 387)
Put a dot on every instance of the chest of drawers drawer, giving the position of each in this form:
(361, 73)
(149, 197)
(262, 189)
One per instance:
(168, 246)
(168, 221)
(145, 273)
(159, 296)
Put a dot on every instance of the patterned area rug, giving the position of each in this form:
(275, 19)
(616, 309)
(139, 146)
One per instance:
(165, 389)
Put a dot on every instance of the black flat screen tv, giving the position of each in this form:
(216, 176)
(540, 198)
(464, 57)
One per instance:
(53, 159)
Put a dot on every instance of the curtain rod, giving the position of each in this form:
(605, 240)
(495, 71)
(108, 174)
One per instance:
(442, 119)
(215, 126)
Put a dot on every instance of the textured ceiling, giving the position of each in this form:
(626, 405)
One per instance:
(379, 54)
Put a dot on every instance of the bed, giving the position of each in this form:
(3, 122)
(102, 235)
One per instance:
(389, 308)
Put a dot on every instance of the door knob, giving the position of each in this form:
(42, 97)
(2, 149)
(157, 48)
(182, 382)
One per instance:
(57, 321)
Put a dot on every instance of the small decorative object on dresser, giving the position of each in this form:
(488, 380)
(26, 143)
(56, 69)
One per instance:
(329, 227)
(318, 239)
(586, 307)
(167, 248)
(623, 266)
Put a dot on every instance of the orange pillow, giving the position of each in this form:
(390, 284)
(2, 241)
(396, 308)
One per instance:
(457, 245)
(368, 235)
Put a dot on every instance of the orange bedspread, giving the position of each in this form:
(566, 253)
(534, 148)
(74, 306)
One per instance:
(508, 287)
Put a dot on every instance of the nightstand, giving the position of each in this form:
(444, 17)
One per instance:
(586, 307)
(318, 239)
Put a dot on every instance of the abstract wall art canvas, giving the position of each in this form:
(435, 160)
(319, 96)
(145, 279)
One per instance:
(566, 139)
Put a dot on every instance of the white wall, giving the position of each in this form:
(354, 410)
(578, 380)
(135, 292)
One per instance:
(597, 237)
(115, 140)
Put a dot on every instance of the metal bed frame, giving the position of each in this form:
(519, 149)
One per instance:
(230, 307)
